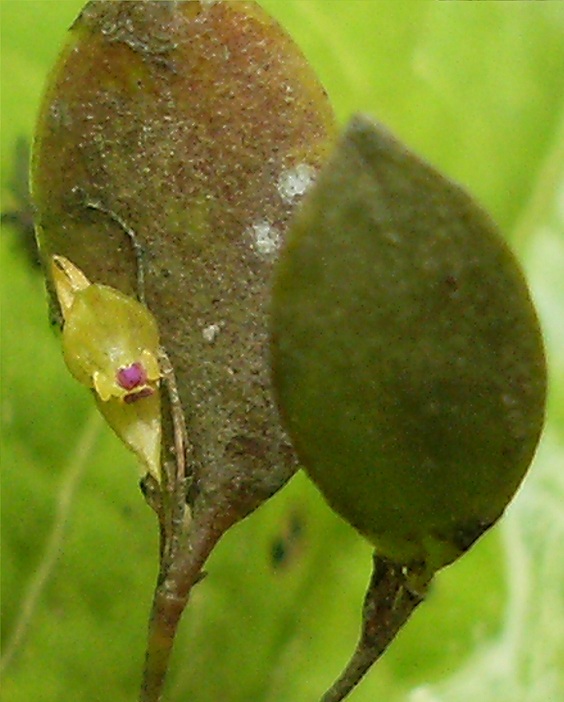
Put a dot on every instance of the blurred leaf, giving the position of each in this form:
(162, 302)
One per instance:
(476, 88)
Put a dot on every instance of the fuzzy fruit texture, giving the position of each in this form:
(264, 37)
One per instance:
(407, 356)
(173, 145)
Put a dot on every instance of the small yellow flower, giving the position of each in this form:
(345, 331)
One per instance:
(111, 344)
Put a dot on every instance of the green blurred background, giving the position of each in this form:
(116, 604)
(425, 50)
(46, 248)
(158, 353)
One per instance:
(477, 88)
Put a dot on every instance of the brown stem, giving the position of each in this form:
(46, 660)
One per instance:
(170, 599)
(165, 616)
(388, 604)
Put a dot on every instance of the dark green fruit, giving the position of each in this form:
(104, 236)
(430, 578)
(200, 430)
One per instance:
(406, 352)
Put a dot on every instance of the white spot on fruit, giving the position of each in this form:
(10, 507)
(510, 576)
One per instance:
(295, 182)
(211, 332)
(266, 239)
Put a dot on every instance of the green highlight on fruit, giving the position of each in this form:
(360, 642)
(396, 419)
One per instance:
(406, 353)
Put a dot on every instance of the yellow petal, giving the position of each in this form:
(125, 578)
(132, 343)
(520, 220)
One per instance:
(138, 425)
(68, 280)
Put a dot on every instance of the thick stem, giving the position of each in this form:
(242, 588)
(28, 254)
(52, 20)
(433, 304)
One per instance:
(163, 624)
(170, 600)
(388, 604)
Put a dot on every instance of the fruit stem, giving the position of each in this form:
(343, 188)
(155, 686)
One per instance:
(389, 602)
(170, 599)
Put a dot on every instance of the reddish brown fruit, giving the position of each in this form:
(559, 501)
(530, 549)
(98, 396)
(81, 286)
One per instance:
(174, 142)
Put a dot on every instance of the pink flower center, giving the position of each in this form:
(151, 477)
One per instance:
(131, 376)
